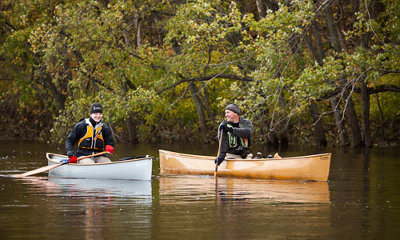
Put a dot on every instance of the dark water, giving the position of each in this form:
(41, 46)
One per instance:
(360, 201)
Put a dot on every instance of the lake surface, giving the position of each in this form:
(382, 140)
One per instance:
(361, 200)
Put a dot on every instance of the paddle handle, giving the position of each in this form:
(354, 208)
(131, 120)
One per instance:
(93, 155)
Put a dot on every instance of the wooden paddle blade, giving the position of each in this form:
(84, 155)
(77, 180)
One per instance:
(39, 170)
(48, 168)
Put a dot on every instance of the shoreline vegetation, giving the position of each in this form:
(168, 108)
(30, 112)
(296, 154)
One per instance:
(304, 72)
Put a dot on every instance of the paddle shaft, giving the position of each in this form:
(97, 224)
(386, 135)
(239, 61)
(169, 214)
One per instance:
(219, 151)
(50, 167)
(93, 155)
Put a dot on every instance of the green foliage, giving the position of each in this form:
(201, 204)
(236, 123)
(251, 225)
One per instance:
(137, 58)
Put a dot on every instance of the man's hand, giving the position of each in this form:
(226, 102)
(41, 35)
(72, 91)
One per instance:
(73, 159)
(110, 149)
(64, 161)
(219, 159)
(226, 128)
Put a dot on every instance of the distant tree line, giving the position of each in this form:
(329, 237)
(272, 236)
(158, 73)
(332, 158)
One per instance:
(302, 71)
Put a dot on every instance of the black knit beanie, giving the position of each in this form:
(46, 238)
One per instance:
(234, 108)
(96, 108)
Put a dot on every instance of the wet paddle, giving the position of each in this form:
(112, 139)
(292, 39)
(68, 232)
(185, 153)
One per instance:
(219, 150)
(50, 167)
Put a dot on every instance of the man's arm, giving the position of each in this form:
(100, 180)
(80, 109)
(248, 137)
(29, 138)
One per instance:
(107, 134)
(245, 131)
(71, 139)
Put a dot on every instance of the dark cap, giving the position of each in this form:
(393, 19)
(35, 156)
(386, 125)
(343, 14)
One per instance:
(96, 108)
(234, 108)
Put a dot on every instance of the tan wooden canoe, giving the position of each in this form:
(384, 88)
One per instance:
(311, 167)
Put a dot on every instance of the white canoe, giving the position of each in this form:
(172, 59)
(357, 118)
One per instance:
(134, 169)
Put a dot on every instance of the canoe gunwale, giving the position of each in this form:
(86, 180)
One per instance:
(202, 157)
(133, 169)
(50, 159)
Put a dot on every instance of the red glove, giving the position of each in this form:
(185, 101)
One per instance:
(73, 159)
(110, 149)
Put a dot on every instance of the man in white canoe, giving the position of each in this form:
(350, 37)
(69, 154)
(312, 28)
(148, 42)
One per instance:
(91, 136)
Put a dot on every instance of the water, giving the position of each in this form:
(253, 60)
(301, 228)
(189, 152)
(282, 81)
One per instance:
(360, 201)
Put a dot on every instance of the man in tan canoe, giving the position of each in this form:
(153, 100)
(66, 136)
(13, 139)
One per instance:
(236, 135)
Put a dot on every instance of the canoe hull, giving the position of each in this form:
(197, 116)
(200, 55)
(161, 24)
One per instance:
(312, 167)
(136, 169)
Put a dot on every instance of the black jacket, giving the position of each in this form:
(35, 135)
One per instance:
(245, 130)
(93, 142)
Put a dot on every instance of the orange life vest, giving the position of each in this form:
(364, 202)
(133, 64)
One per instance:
(93, 138)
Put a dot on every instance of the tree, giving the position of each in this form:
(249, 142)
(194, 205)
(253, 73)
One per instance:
(301, 70)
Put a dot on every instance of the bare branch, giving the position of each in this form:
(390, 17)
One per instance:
(207, 78)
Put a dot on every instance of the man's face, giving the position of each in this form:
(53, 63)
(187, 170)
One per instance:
(96, 116)
(231, 116)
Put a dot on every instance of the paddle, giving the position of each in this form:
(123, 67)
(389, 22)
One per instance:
(219, 150)
(50, 167)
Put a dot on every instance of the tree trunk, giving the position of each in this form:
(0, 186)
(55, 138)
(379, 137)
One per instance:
(284, 139)
(318, 39)
(205, 98)
(353, 121)
(132, 131)
(355, 8)
(272, 5)
(260, 8)
(374, 8)
(45, 80)
(314, 51)
(343, 137)
(200, 112)
(365, 98)
(268, 135)
(382, 128)
(319, 131)
(332, 29)
(271, 139)
(334, 37)
(138, 24)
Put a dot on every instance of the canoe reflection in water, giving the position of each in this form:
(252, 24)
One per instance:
(106, 187)
(74, 187)
(235, 189)
(92, 202)
(100, 197)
